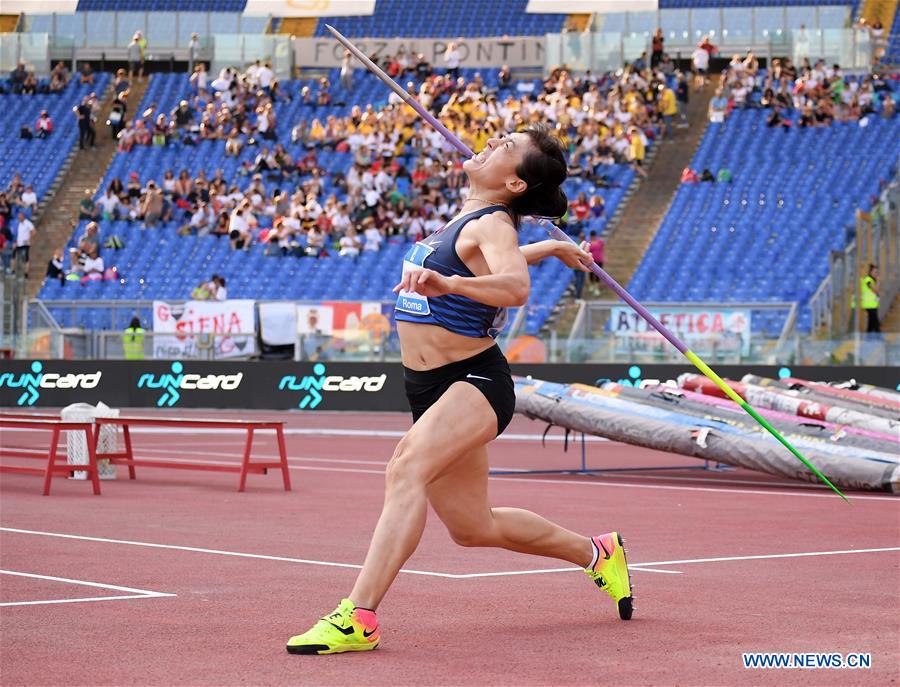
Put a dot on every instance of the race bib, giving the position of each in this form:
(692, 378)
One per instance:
(408, 302)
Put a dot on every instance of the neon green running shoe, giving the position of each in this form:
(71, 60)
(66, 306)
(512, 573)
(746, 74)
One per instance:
(610, 571)
(348, 628)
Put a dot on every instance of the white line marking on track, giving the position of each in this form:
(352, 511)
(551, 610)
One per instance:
(776, 555)
(639, 567)
(286, 559)
(216, 552)
(646, 566)
(85, 599)
(330, 432)
(133, 593)
(538, 480)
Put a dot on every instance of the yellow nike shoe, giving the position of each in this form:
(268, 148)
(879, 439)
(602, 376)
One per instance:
(610, 571)
(348, 628)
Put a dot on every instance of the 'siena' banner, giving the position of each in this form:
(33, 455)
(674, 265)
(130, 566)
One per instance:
(227, 324)
(703, 329)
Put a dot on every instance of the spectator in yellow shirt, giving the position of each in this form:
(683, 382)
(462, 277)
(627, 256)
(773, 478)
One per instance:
(668, 107)
(636, 150)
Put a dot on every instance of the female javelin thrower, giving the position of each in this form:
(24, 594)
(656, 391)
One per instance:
(451, 304)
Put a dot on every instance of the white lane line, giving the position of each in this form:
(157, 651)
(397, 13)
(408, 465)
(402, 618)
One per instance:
(216, 552)
(647, 566)
(286, 559)
(714, 490)
(776, 555)
(543, 480)
(330, 432)
(133, 593)
(578, 482)
(84, 600)
(536, 480)
(632, 567)
(642, 567)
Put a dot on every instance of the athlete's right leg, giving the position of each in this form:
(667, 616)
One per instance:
(460, 421)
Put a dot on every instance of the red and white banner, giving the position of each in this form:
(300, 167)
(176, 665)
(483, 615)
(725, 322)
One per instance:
(203, 329)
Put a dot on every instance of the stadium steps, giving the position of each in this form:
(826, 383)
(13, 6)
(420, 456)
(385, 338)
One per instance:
(84, 169)
(632, 234)
(301, 27)
(9, 22)
(879, 10)
(578, 22)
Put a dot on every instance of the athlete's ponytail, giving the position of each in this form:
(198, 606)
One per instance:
(544, 169)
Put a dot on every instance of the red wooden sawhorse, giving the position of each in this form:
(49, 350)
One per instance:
(126, 457)
(55, 426)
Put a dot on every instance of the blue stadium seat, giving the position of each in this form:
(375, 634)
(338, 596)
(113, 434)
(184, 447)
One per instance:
(40, 160)
(766, 236)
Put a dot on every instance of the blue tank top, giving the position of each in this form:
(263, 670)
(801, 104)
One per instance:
(453, 312)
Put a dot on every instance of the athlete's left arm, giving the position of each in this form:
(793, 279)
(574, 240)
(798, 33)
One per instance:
(571, 254)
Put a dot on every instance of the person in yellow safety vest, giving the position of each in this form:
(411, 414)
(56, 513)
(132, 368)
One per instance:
(133, 340)
(868, 289)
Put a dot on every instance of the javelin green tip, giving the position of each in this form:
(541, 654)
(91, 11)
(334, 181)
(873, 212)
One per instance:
(761, 420)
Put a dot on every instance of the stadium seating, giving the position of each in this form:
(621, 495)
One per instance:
(39, 160)
(446, 20)
(766, 236)
(146, 265)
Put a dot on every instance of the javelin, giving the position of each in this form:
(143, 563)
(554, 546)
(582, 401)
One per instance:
(560, 235)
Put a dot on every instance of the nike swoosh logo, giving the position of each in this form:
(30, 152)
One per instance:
(367, 633)
(488, 379)
(606, 553)
(345, 630)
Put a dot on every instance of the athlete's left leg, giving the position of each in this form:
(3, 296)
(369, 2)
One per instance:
(460, 499)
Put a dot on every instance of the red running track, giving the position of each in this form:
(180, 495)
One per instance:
(201, 585)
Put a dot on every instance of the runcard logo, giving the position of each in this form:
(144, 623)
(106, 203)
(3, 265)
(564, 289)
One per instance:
(37, 379)
(318, 382)
(173, 383)
(634, 379)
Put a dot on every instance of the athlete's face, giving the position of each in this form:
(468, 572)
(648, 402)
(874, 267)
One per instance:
(496, 165)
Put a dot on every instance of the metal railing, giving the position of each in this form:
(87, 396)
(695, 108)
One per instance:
(604, 51)
(594, 337)
(876, 241)
(163, 30)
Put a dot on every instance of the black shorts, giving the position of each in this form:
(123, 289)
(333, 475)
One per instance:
(488, 372)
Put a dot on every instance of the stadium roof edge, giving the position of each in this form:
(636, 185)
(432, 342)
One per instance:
(44, 7)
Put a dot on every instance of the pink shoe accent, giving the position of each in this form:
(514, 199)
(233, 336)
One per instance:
(606, 545)
(367, 619)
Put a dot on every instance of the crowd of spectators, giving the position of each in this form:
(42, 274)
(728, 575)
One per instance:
(18, 201)
(404, 181)
(22, 81)
(86, 263)
(809, 95)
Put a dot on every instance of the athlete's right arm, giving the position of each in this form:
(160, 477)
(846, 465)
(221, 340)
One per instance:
(505, 285)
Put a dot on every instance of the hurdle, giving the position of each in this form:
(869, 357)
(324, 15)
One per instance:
(127, 457)
(54, 426)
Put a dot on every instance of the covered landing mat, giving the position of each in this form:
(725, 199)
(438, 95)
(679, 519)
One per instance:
(666, 419)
